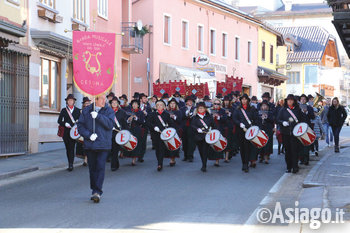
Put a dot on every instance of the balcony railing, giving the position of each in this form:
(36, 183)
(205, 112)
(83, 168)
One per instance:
(132, 42)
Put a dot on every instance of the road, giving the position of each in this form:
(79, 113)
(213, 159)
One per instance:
(136, 197)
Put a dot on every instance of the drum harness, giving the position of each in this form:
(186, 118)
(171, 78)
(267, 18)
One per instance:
(162, 121)
(70, 115)
(246, 117)
(207, 129)
(117, 123)
(294, 118)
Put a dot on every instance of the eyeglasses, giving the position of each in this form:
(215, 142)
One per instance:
(216, 104)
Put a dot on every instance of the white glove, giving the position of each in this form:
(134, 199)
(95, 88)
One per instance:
(94, 114)
(156, 129)
(93, 137)
(188, 111)
(242, 125)
(218, 118)
(68, 125)
(285, 123)
(114, 128)
(199, 130)
(174, 117)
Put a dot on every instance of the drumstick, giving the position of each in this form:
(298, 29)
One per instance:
(117, 130)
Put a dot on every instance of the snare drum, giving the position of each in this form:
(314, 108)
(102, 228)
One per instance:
(74, 134)
(126, 140)
(304, 133)
(256, 136)
(171, 139)
(215, 139)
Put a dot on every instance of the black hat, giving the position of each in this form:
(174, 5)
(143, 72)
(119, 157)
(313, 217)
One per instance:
(206, 98)
(237, 93)
(161, 102)
(189, 98)
(155, 96)
(303, 95)
(134, 101)
(201, 104)
(254, 98)
(177, 94)
(172, 100)
(165, 96)
(113, 99)
(123, 96)
(290, 97)
(142, 95)
(136, 95)
(266, 95)
(244, 96)
(194, 97)
(85, 99)
(226, 98)
(111, 94)
(310, 96)
(70, 96)
(219, 95)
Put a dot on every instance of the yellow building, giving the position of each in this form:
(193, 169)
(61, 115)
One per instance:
(272, 59)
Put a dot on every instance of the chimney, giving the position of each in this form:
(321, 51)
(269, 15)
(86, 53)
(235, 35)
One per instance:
(288, 5)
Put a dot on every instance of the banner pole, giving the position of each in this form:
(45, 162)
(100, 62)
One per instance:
(93, 120)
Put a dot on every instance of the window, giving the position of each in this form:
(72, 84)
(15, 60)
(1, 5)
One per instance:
(49, 83)
(263, 51)
(185, 34)
(212, 42)
(311, 74)
(237, 49)
(102, 6)
(49, 3)
(167, 29)
(200, 38)
(294, 77)
(249, 52)
(224, 44)
(271, 54)
(79, 10)
(277, 59)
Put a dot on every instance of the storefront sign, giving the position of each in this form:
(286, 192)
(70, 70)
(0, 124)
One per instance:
(210, 71)
(93, 61)
(202, 60)
(219, 68)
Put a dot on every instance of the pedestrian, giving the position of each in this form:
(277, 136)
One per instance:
(246, 116)
(188, 143)
(160, 120)
(326, 127)
(119, 124)
(336, 118)
(318, 129)
(80, 144)
(67, 119)
(95, 125)
(288, 117)
(201, 123)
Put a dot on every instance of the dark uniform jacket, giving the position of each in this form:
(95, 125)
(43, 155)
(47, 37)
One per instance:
(155, 121)
(284, 115)
(64, 118)
(252, 114)
(197, 124)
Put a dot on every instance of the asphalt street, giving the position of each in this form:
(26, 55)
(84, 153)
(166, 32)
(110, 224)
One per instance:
(138, 196)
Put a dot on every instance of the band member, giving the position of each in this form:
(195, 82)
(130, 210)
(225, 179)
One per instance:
(287, 118)
(266, 97)
(110, 97)
(244, 117)
(336, 117)
(136, 121)
(80, 145)
(160, 120)
(254, 102)
(229, 130)
(177, 97)
(145, 108)
(165, 98)
(201, 123)
(207, 101)
(279, 106)
(119, 124)
(123, 99)
(95, 125)
(176, 116)
(67, 119)
(267, 124)
(188, 143)
(309, 111)
(219, 117)
(153, 101)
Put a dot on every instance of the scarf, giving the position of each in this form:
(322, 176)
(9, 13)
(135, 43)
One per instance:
(71, 107)
(291, 106)
(115, 109)
(135, 110)
(160, 112)
(245, 106)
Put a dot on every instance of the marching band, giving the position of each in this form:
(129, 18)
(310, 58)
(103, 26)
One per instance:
(220, 128)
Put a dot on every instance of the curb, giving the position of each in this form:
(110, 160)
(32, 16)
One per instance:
(18, 172)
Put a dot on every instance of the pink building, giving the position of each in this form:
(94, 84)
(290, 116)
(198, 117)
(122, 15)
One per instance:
(182, 30)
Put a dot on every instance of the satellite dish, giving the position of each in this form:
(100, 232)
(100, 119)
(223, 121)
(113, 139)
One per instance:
(139, 24)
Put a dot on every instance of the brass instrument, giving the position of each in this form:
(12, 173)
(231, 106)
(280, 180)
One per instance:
(318, 98)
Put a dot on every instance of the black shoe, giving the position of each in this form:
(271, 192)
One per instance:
(306, 163)
(114, 169)
(159, 168)
(70, 168)
(172, 164)
(96, 198)
(226, 161)
(204, 169)
(216, 165)
(133, 164)
(85, 164)
(253, 165)
(141, 160)
(316, 153)
(288, 170)
(336, 149)
(246, 170)
(295, 170)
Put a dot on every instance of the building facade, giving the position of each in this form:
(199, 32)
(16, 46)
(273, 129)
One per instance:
(184, 30)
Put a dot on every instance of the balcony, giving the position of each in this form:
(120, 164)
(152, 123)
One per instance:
(341, 14)
(132, 41)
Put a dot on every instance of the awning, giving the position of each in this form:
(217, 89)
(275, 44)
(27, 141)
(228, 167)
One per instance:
(270, 77)
(10, 33)
(169, 72)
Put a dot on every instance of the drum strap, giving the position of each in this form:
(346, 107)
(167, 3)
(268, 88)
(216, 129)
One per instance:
(117, 122)
(205, 125)
(292, 114)
(161, 121)
(70, 115)
(246, 117)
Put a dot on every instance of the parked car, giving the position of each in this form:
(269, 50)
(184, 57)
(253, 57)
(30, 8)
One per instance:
(347, 120)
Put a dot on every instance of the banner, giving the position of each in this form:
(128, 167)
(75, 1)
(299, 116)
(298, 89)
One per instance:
(93, 61)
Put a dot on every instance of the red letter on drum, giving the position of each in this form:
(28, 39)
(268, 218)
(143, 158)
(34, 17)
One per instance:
(300, 130)
(212, 136)
(251, 133)
(168, 133)
(121, 137)
(75, 132)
